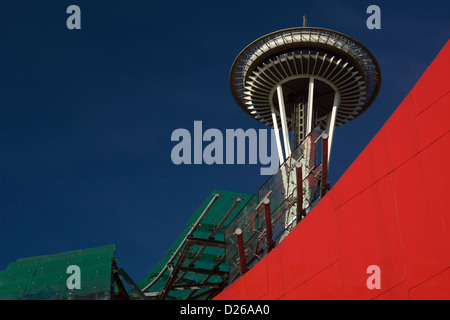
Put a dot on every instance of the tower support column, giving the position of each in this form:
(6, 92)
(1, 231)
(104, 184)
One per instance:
(331, 123)
(310, 105)
(287, 147)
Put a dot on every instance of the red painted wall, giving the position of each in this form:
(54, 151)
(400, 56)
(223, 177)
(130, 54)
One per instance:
(391, 209)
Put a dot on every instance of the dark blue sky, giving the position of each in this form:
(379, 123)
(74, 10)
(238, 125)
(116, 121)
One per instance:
(86, 115)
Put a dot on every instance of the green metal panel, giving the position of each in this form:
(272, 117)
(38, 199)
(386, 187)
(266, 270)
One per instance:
(12, 290)
(44, 277)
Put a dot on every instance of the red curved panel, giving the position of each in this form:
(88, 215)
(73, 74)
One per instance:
(390, 209)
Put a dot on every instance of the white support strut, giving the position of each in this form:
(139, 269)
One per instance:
(332, 123)
(287, 148)
(310, 105)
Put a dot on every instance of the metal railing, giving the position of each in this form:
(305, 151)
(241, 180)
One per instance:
(280, 204)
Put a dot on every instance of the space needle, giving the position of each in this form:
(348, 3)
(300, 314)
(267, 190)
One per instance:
(304, 78)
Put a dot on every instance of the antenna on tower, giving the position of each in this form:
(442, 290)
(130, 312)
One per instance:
(304, 21)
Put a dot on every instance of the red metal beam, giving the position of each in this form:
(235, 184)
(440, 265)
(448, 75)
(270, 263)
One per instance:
(268, 219)
(324, 186)
(240, 243)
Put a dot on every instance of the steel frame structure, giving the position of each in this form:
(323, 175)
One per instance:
(174, 275)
